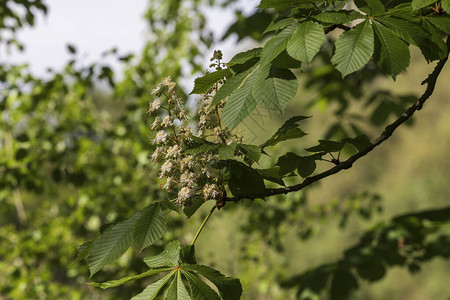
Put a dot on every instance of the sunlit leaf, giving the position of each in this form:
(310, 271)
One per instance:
(306, 41)
(354, 48)
(150, 226)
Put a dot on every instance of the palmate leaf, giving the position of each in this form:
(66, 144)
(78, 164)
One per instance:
(202, 84)
(181, 264)
(354, 48)
(306, 41)
(177, 290)
(393, 55)
(240, 103)
(152, 290)
(150, 226)
(274, 88)
(111, 244)
(277, 44)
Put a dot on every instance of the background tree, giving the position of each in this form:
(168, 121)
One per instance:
(86, 167)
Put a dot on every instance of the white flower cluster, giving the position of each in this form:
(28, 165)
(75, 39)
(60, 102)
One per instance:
(189, 176)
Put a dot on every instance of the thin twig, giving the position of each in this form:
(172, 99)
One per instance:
(388, 131)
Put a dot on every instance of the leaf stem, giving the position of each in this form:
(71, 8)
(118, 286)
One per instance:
(203, 225)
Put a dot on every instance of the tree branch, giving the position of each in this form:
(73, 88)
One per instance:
(388, 131)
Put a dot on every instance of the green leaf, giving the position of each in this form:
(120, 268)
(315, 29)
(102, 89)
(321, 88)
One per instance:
(326, 146)
(111, 244)
(343, 285)
(371, 7)
(446, 5)
(82, 252)
(230, 288)
(251, 152)
(117, 282)
(240, 103)
(288, 131)
(277, 24)
(276, 44)
(433, 48)
(201, 148)
(200, 290)
(408, 31)
(151, 291)
(187, 255)
(274, 88)
(338, 17)
(190, 209)
(441, 22)
(177, 290)
(227, 151)
(272, 174)
(284, 61)
(354, 48)
(393, 56)
(202, 84)
(244, 181)
(306, 166)
(168, 205)
(230, 85)
(150, 226)
(170, 257)
(243, 57)
(283, 4)
(306, 41)
(416, 4)
(361, 142)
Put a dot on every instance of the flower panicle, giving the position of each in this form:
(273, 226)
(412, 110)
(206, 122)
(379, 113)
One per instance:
(190, 176)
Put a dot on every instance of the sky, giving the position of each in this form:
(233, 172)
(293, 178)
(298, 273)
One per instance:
(96, 26)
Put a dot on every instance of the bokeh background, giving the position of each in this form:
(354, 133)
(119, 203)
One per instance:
(74, 152)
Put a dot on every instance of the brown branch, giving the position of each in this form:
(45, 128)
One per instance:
(388, 131)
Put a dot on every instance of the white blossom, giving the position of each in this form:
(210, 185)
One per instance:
(156, 153)
(155, 124)
(187, 178)
(210, 191)
(173, 151)
(166, 167)
(184, 194)
(160, 137)
(167, 121)
(154, 106)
